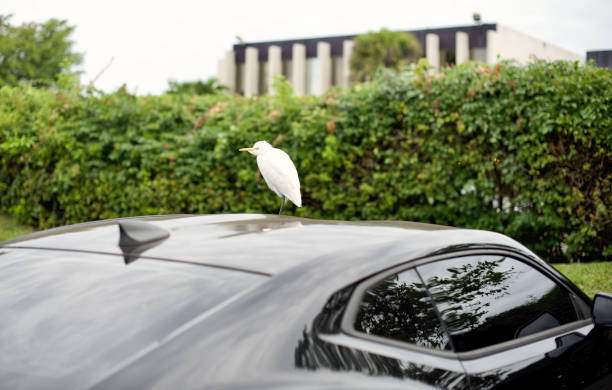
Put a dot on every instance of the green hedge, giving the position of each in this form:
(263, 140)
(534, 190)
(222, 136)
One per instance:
(521, 150)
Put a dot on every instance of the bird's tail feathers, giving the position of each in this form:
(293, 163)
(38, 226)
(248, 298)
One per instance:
(297, 200)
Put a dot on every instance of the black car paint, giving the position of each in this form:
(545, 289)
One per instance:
(316, 350)
(568, 364)
(289, 324)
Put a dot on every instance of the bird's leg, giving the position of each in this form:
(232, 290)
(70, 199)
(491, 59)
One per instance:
(282, 204)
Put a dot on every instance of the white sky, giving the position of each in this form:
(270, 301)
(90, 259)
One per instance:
(153, 41)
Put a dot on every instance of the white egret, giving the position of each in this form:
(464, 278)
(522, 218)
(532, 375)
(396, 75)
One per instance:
(278, 171)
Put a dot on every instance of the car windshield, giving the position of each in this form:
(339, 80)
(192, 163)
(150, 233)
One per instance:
(70, 318)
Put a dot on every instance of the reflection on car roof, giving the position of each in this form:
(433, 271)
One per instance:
(259, 243)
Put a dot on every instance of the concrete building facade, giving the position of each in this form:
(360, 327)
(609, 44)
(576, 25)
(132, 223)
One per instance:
(314, 65)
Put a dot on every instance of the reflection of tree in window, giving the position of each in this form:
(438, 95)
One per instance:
(485, 300)
(399, 308)
(314, 353)
(460, 288)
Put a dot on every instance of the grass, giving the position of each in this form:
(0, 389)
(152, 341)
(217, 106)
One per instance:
(590, 277)
(9, 228)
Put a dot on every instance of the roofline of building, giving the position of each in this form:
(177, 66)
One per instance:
(477, 33)
(351, 36)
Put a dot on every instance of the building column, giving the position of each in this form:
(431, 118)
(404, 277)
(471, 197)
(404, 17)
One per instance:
(324, 62)
(251, 72)
(347, 50)
(462, 48)
(221, 71)
(493, 43)
(432, 50)
(298, 69)
(230, 64)
(275, 65)
(226, 70)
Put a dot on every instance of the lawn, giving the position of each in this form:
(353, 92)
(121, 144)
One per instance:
(590, 277)
(9, 228)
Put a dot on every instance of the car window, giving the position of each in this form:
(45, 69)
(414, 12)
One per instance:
(398, 308)
(485, 300)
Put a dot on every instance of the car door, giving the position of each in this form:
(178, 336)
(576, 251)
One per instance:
(513, 325)
(473, 319)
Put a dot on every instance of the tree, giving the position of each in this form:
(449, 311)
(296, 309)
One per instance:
(35, 52)
(388, 49)
(198, 87)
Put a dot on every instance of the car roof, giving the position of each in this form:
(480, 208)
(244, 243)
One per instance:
(310, 260)
(257, 243)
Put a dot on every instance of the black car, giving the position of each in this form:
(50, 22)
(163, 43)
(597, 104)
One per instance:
(247, 301)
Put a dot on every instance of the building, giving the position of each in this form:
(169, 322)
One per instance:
(314, 65)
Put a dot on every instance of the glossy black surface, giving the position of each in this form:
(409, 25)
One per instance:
(254, 301)
(573, 361)
(486, 300)
(261, 243)
(314, 351)
(136, 237)
(69, 318)
(602, 310)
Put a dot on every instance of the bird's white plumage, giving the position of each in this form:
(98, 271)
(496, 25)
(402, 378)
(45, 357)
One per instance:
(278, 171)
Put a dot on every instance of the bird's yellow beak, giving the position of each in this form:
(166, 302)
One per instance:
(247, 149)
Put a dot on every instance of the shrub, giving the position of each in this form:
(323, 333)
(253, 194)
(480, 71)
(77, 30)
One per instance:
(37, 53)
(520, 150)
(386, 49)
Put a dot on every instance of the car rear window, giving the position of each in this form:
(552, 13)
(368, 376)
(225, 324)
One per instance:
(69, 318)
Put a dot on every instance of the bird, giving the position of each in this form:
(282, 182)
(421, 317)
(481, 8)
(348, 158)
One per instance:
(278, 171)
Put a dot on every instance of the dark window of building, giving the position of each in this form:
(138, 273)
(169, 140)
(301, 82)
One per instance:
(603, 58)
(448, 57)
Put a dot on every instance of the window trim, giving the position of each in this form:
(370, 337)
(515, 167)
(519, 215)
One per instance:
(353, 305)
